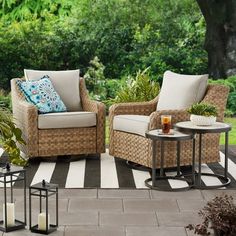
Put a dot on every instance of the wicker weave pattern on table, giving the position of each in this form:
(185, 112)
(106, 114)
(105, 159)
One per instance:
(53, 142)
(138, 149)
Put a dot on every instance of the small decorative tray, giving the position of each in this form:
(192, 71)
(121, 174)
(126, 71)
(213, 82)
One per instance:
(170, 133)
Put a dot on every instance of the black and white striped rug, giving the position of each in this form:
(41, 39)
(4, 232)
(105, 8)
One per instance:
(110, 172)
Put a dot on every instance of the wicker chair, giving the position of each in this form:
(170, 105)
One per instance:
(138, 149)
(63, 141)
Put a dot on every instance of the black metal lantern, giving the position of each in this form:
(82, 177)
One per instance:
(43, 190)
(8, 176)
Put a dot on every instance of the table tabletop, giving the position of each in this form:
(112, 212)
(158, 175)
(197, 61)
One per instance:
(217, 127)
(14, 169)
(174, 135)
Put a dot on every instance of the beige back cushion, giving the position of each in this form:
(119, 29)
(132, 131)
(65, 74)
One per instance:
(181, 91)
(66, 83)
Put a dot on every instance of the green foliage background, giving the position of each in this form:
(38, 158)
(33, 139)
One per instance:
(110, 41)
(231, 103)
(126, 35)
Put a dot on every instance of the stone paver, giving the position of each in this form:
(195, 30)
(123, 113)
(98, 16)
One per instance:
(190, 204)
(123, 212)
(78, 193)
(26, 232)
(159, 205)
(62, 203)
(123, 193)
(95, 205)
(180, 219)
(192, 194)
(123, 219)
(210, 194)
(150, 231)
(79, 218)
(94, 231)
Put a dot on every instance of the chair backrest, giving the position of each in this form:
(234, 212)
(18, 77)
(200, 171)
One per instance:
(66, 83)
(181, 91)
(217, 95)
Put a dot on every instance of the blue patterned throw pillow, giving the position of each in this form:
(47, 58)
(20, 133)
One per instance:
(42, 94)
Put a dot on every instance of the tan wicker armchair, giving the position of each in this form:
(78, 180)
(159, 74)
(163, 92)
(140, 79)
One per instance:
(138, 149)
(63, 141)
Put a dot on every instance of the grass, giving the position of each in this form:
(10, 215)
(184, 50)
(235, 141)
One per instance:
(232, 133)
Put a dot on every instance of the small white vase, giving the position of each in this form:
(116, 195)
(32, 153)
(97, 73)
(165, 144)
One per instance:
(202, 120)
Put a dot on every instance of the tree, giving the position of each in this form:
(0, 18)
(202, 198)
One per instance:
(220, 39)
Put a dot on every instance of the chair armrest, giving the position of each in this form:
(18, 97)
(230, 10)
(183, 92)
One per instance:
(87, 103)
(134, 108)
(100, 109)
(26, 118)
(177, 116)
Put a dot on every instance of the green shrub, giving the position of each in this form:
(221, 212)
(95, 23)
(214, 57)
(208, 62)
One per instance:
(99, 87)
(127, 36)
(138, 88)
(5, 100)
(232, 80)
(10, 135)
(95, 79)
(224, 82)
(228, 113)
(231, 102)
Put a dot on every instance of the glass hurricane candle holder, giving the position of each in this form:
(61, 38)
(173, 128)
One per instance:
(43, 191)
(9, 175)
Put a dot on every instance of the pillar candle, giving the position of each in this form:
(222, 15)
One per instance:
(42, 221)
(10, 214)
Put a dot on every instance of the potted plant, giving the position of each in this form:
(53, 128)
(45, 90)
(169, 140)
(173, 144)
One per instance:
(10, 135)
(219, 214)
(203, 114)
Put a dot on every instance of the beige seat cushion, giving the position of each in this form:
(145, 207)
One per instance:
(135, 124)
(66, 83)
(181, 91)
(66, 120)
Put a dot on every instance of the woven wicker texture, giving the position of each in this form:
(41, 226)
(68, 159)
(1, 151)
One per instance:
(67, 141)
(54, 142)
(26, 118)
(138, 149)
(100, 109)
(137, 108)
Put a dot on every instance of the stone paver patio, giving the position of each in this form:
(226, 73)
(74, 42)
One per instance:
(104, 212)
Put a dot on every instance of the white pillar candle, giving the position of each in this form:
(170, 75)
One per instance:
(10, 214)
(42, 221)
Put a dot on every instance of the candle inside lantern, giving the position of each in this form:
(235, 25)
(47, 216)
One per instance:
(42, 221)
(10, 214)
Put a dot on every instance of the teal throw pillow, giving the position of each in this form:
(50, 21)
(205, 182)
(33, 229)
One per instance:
(42, 94)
